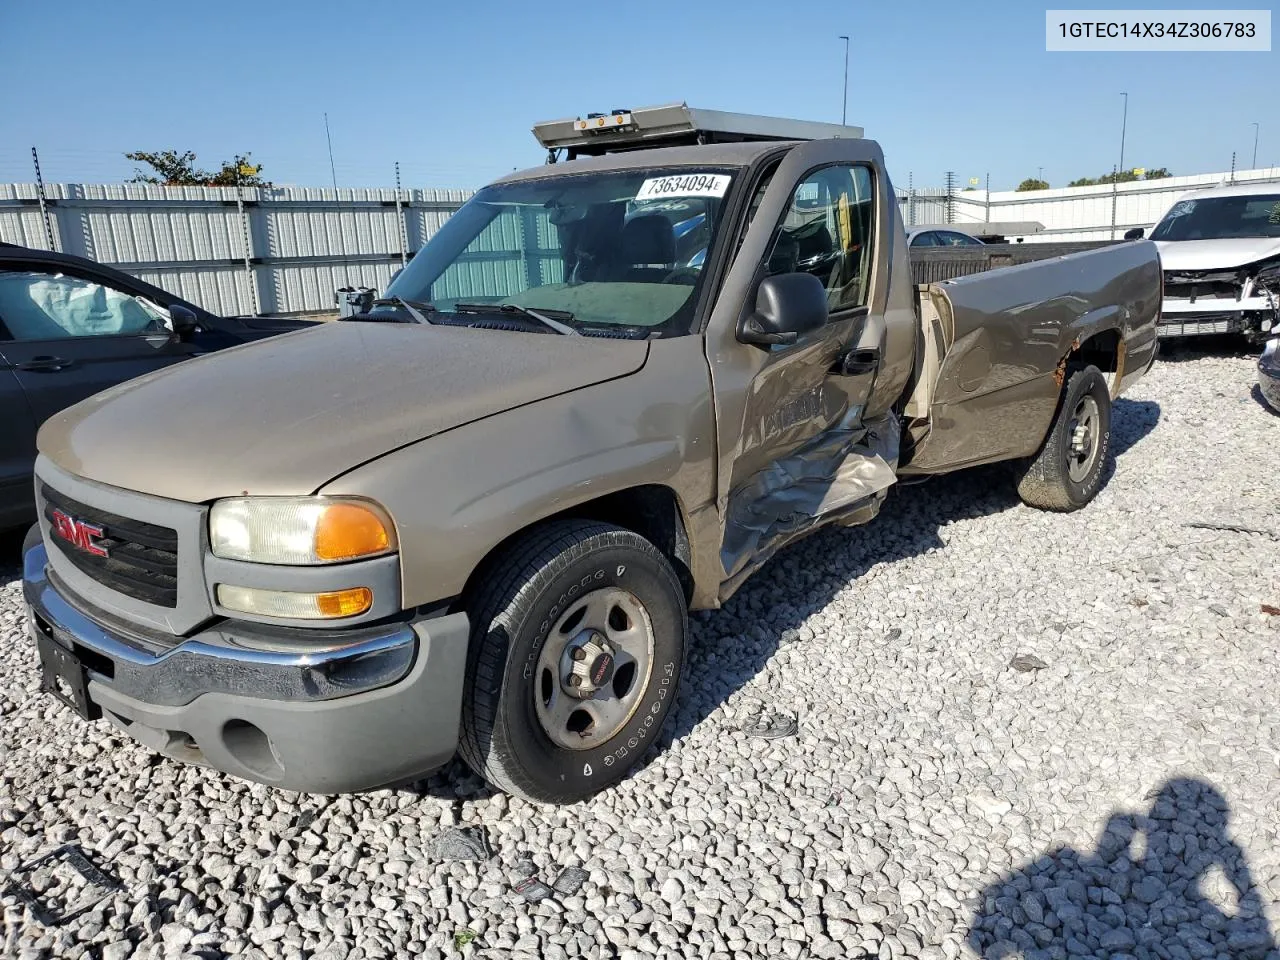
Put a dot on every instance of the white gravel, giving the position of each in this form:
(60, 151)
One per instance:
(934, 803)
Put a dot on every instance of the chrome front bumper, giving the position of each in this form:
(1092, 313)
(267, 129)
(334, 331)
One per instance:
(318, 711)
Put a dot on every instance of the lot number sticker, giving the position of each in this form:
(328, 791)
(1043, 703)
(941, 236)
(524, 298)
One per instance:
(685, 185)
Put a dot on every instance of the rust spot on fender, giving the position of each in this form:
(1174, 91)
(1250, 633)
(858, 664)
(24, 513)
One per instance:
(1060, 372)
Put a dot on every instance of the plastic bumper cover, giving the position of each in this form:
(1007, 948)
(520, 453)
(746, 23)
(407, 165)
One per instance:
(321, 716)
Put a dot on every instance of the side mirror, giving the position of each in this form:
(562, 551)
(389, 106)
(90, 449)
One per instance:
(787, 306)
(184, 320)
(1137, 233)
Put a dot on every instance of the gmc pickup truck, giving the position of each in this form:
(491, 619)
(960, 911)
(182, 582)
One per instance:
(609, 389)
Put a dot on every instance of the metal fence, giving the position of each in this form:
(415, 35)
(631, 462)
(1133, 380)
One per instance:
(1100, 212)
(266, 250)
(287, 249)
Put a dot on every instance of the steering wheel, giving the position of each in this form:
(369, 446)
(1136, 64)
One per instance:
(688, 275)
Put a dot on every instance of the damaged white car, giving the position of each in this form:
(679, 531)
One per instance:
(1220, 252)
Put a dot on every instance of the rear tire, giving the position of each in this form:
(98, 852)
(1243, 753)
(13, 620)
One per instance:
(1067, 472)
(577, 647)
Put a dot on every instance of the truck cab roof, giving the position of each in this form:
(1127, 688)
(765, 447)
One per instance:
(707, 155)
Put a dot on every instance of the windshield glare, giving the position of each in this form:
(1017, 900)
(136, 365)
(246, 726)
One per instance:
(1220, 218)
(617, 249)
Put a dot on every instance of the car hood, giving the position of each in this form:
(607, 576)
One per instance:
(1215, 254)
(286, 415)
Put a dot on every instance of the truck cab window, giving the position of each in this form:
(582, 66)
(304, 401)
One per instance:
(827, 231)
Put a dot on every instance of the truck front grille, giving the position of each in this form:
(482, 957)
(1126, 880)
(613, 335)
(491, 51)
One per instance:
(141, 559)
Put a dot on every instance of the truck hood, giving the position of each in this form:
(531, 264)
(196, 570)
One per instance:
(286, 415)
(1215, 254)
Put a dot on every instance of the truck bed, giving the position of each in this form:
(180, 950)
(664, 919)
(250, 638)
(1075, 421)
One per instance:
(934, 264)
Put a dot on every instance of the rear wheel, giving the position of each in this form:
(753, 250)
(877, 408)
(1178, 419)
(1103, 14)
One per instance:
(1067, 472)
(577, 647)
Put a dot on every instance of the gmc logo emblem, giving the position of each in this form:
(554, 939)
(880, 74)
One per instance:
(78, 533)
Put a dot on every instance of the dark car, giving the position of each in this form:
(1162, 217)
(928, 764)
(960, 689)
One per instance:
(1269, 374)
(69, 328)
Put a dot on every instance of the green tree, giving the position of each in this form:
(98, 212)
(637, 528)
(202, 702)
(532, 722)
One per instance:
(179, 170)
(1124, 176)
(1032, 183)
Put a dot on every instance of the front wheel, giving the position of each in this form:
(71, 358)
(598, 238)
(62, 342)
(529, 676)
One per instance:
(1067, 472)
(577, 648)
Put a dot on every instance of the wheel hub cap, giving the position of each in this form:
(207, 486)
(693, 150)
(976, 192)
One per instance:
(593, 668)
(1083, 442)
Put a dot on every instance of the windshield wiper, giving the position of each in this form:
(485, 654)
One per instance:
(418, 309)
(542, 318)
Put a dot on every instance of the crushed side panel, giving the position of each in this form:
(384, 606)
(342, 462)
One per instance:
(836, 472)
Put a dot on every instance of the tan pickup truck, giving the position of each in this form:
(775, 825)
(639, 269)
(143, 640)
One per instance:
(605, 392)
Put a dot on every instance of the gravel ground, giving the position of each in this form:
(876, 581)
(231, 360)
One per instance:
(1114, 797)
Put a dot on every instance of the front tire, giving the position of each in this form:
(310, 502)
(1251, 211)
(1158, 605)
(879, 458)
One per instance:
(1067, 472)
(577, 647)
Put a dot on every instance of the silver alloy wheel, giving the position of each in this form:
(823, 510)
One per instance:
(593, 669)
(1085, 439)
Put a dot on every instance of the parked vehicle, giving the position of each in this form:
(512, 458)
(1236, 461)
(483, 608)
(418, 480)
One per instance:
(1220, 249)
(941, 238)
(1269, 374)
(475, 517)
(70, 327)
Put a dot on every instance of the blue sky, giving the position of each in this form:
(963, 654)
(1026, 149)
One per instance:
(450, 89)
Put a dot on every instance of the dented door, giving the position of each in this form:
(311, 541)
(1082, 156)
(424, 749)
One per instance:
(797, 445)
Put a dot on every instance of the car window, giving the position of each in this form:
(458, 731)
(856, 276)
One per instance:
(926, 239)
(950, 238)
(827, 231)
(49, 306)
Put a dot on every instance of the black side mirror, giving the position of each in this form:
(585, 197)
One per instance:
(787, 306)
(184, 320)
(1137, 233)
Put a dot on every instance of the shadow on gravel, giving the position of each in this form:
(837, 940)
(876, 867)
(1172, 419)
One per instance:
(1169, 883)
(1131, 420)
(1187, 349)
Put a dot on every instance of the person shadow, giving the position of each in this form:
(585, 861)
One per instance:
(1170, 884)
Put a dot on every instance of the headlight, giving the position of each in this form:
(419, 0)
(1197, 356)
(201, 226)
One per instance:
(299, 530)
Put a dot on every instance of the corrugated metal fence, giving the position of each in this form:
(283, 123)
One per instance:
(1071, 213)
(287, 249)
(270, 250)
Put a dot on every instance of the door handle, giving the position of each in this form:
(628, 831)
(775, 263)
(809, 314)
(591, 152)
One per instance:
(856, 362)
(44, 364)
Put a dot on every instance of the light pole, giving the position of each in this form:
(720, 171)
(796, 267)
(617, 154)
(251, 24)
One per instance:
(1040, 174)
(1255, 146)
(1124, 123)
(844, 103)
(1115, 177)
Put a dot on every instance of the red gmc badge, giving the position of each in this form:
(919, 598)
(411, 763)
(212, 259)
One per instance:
(78, 533)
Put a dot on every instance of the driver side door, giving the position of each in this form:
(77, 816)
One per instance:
(797, 446)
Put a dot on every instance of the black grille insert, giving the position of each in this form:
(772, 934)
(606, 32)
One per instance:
(141, 560)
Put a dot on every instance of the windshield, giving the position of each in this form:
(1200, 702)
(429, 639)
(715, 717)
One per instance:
(612, 252)
(1220, 218)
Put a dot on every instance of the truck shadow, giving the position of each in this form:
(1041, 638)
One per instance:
(1168, 882)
